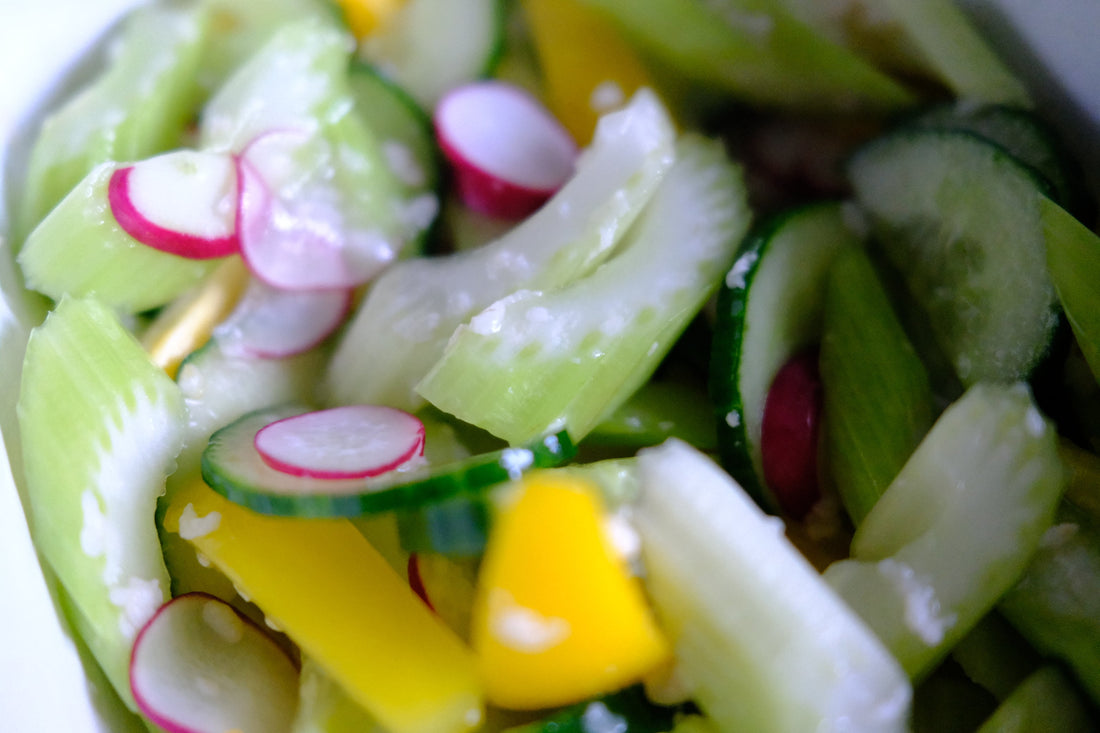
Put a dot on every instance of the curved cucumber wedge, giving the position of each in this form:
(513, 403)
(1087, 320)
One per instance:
(956, 528)
(139, 105)
(769, 309)
(766, 644)
(101, 426)
(959, 219)
(411, 311)
(542, 361)
(419, 48)
(231, 466)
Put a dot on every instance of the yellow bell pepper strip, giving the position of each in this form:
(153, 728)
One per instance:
(187, 324)
(363, 16)
(589, 69)
(558, 617)
(322, 583)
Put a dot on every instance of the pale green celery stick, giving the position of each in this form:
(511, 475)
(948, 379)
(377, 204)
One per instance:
(1073, 259)
(1056, 604)
(957, 527)
(139, 105)
(1046, 702)
(101, 428)
(411, 311)
(877, 397)
(324, 707)
(762, 641)
(754, 50)
(954, 51)
(114, 267)
(539, 361)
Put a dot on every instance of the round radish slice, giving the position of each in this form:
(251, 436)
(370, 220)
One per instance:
(789, 434)
(273, 324)
(183, 203)
(508, 152)
(291, 220)
(356, 441)
(198, 666)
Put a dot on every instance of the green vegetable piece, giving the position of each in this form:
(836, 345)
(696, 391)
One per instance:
(1073, 257)
(402, 327)
(754, 50)
(625, 711)
(956, 528)
(324, 706)
(959, 219)
(539, 361)
(114, 267)
(659, 410)
(764, 642)
(877, 398)
(138, 106)
(994, 655)
(101, 427)
(1046, 702)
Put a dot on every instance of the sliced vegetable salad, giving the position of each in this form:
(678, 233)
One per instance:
(524, 365)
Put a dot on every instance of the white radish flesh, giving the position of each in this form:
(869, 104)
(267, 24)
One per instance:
(508, 152)
(198, 666)
(183, 203)
(274, 324)
(354, 441)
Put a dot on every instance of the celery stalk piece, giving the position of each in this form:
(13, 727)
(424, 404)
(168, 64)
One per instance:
(754, 50)
(114, 267)
(412, 310)
(1046, 702)
(878, 400)
(101, 427)
(536, 361)
(1073, 258)
(763, 641)
(957, 526)
(139, 105)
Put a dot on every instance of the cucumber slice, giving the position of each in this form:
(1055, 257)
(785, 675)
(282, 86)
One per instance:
(878, 400)
(540, 361)
(231, 466)
(419, 48)
(1073, 259)
(756, 51)
(769, 309)
(956, 528)
(764, 642)
(412, 310)
(959, 219)
(100, 426)
(114, 267)
(138, 105)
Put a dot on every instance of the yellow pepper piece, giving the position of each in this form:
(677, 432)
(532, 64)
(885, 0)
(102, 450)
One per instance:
(588, 68)
(364, 16)
(558, 617)
(187, 324)
(322, 583)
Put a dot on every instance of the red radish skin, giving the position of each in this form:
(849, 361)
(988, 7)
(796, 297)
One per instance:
(148, 232)
(789, 434)
(275, 324)
(350, 442)
(160, 681)
(508, 152)
(416, 581)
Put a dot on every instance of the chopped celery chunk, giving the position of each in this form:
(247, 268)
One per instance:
(536, 361)
(1073, 258)
(957, 526)
(1046, 702)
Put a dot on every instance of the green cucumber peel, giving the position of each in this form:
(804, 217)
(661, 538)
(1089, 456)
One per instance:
(769, 309)
(537, 362)
(233, 468)
(764, 643)
(959, 218)
(411, 311)
(878, 401)
(957, 526)
(754, 50)
(140, 104)
(101, 427)
(114, 267)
